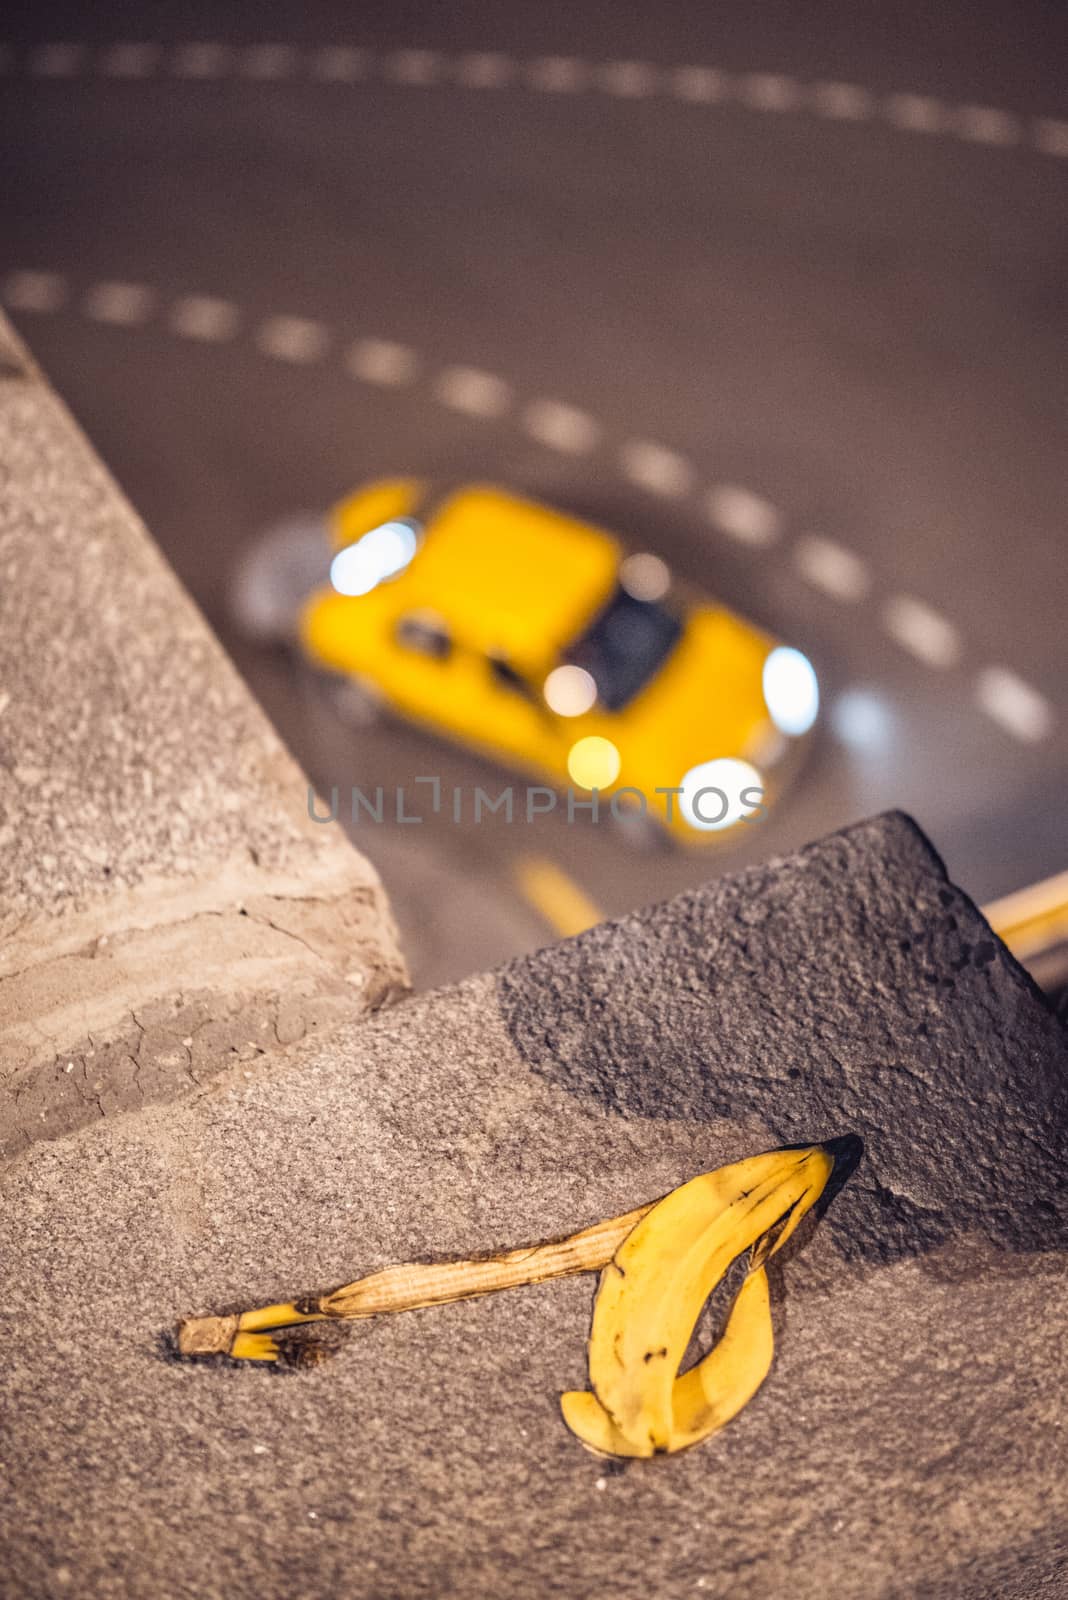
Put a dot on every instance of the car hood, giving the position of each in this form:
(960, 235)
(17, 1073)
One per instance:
(706, 701)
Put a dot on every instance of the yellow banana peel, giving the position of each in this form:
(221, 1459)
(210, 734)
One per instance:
(652, 1293)
(703, 1399)
(659, 1264)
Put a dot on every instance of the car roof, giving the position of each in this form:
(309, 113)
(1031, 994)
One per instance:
(510, 576)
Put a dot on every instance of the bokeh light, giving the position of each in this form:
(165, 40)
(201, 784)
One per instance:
(729, 778)
(791, 690)
(645, 576)
(382, 553)
(570, 691)
(593, 762)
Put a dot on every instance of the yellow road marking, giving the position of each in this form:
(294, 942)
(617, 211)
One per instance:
(565, 907)
(1033, 919)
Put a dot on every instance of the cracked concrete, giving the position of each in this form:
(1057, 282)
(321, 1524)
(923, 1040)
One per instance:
(155, 848)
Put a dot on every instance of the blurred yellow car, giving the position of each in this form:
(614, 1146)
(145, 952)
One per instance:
(534, 638)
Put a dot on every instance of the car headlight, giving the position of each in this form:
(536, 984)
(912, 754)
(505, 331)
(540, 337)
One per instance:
(380, 554)
(717, 794)
(791, 690)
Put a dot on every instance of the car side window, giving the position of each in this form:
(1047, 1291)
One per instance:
(425, 635)
(506, 677)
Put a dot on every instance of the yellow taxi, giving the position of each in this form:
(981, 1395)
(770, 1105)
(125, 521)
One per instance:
(535, 638)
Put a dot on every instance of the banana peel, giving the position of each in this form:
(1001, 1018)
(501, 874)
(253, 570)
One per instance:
(703, 1399)
(253, 1335)
(658, 1263)
(652, 1293)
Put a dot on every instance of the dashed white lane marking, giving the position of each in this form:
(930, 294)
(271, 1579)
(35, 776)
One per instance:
(1051, 136)
(1019, 708)
(126, 305)
(205, 318)
(843, 102)
(130, 60)
(34, 291)
(484, 69)
(268, 62)
(561, 427)
(699, 85)
(690, 84)
(1007, 699)
(916, 113)
(745, 516)
(383, 362)
(629, 79)
(769, 91)
(655, 467)
(296, 339)
(986, 125)
(558, 74)
(340, 64)
(921, 630)
(202, 60)
(832, 568)
(58, 60)
(414, 67)
(478, 394)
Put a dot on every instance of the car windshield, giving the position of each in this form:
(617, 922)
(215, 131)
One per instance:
(624, 646)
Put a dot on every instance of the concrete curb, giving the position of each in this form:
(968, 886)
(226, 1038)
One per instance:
(905, 1442)
(165, 903)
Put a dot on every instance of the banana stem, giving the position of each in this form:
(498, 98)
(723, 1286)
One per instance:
(409, 1288)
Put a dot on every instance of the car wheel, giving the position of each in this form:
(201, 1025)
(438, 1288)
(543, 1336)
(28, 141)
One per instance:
(354, 701)
(273, 579)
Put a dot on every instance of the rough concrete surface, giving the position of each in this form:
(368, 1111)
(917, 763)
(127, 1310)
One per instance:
(158, 871)
(909, 1441)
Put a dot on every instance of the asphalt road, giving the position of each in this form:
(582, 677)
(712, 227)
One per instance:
(818, 258)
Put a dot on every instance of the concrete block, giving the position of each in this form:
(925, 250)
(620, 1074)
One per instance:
(159, 876)
(908, 1441)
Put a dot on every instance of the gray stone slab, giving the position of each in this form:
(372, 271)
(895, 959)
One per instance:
(909, 1441)
(811, 992)
(164, 898)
